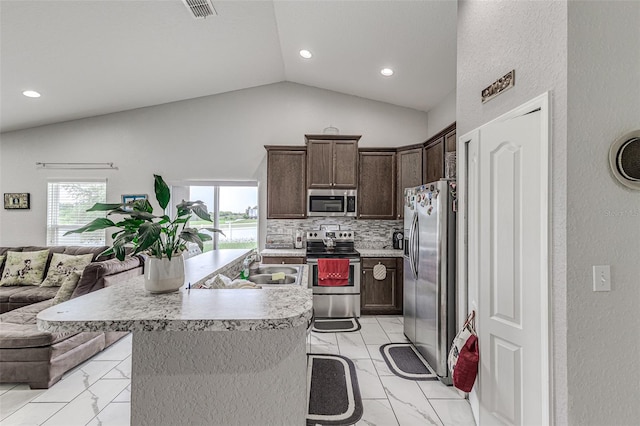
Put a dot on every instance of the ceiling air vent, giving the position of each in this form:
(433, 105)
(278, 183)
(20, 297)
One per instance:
(200, 8)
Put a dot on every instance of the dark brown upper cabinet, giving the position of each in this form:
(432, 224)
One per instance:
(434, 153)
(409, 174)
(434, 161)
(450, 141)
(332, 161)
(286, 183)
(377, 184)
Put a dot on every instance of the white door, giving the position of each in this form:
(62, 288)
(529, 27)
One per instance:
(507, 258)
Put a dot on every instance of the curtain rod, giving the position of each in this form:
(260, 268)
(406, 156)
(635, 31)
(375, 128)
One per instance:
(77, 166)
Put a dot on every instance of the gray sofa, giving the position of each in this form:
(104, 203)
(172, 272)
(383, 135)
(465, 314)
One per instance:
(28, 355)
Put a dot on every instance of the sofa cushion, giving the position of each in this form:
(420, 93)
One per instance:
(24, 268)
(46, 353)
(94, 275)
(26, 314)
(7, 292)
(28, 336)
(18, 328)
(67, 288)
(64, 265)
(32, 294)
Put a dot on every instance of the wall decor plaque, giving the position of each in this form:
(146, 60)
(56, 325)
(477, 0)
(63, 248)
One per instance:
(500, 85)
(16, 200)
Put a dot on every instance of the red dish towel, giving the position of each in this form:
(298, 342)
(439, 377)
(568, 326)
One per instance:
(333, 272)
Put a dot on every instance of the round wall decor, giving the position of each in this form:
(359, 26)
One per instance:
(624, 159)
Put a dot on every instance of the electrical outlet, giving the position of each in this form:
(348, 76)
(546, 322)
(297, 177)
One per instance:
(601, 278)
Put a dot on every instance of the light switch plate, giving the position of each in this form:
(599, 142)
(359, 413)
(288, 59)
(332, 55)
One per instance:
(601, 278)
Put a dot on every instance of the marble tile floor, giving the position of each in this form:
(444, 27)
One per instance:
(98, 391)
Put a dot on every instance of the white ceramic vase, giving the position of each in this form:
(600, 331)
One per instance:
(163, 275)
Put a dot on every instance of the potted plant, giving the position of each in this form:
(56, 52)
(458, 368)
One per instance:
(162, 240)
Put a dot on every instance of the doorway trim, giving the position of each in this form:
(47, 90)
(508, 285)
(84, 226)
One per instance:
(465, 305)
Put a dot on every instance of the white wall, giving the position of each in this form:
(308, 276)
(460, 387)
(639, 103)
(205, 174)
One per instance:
(603, 216)
(530, 37)
(213, 137)
(442, 115)
(586, 54)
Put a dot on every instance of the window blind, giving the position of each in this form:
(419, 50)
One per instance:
(67, 204)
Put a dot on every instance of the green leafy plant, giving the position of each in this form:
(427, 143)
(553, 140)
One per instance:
(158, 236)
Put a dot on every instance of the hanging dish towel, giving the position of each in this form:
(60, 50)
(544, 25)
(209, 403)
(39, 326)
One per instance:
(333, 272)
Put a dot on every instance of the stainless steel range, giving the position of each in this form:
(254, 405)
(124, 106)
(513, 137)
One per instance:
(334, 302)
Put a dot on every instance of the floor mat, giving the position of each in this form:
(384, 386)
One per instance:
(334, 395)
(405, 361)
(335, 325)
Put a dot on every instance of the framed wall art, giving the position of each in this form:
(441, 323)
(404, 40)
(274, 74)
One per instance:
(16, 200)
(129, 198)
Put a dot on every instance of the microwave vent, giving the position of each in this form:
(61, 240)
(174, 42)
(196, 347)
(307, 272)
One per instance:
(200, 8)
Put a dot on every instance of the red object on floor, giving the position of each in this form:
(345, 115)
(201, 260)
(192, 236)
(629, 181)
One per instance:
(333, 272)
(466, 369)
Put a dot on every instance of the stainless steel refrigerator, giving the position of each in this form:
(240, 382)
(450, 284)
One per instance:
(429, 271)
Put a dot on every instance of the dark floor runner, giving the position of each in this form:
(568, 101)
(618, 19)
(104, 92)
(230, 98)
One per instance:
(335, 325)
(404, 361)
(334, 395)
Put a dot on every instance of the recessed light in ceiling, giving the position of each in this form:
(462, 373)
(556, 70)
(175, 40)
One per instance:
(387, 72)
(305, 54)
(31, 94)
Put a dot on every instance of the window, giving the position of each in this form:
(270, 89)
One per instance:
(233, 207)
(67, 204)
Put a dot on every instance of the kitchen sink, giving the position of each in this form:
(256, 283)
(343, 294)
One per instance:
(267, 279)
(266, 269)
(263, 274)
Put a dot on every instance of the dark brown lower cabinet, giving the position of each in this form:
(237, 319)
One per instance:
(381, 296)
(283, 260)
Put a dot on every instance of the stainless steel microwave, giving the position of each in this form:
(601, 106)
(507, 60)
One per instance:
(331, 202)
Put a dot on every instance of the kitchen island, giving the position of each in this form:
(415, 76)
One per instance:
(215, 357)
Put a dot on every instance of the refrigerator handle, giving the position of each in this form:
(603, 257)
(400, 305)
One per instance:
(410, 247)
(413, 237)
(416, 245)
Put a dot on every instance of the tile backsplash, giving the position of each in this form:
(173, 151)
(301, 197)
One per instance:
(369, 234)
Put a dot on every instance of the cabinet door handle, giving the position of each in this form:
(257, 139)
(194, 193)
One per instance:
(364, 272)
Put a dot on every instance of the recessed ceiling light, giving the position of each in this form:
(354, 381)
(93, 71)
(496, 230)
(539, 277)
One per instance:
(305, 54)
(31, 94)
(387, 72)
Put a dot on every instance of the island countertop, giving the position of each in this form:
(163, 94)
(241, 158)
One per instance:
(128, 307)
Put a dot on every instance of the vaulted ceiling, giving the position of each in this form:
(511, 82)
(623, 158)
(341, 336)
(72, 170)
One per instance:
(95, 57)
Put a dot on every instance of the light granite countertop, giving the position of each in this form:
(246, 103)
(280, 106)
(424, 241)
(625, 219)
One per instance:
(303, 253)
(380, 252)
(128, 307)
(284, 252)
(206, 265)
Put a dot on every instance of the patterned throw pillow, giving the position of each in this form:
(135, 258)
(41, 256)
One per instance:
(62, 266)
(2, 256)
(67, 287)
(24, 268)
